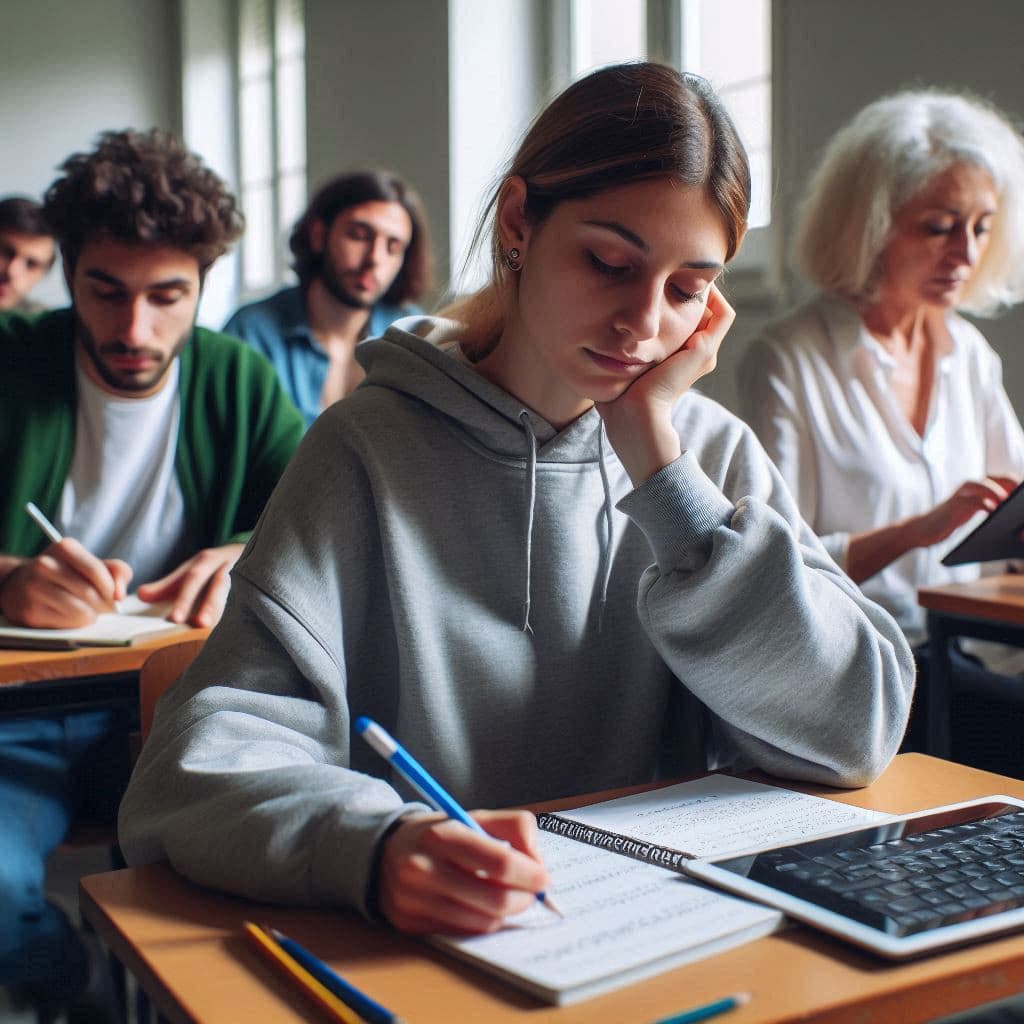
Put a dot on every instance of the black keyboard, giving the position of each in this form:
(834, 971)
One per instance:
(912, 882)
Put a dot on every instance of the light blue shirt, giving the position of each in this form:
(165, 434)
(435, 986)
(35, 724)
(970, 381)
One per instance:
(277, 326)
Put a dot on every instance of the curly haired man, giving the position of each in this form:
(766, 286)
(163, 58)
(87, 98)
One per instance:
(152, 444)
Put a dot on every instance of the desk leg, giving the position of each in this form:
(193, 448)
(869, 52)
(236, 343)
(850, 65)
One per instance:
(938, 698)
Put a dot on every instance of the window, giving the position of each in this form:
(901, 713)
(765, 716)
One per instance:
(607, 32)
(694, 35)
(271, 135)
(738, 64)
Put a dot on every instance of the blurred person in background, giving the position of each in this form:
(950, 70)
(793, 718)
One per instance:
(27, 252)
(362, 255)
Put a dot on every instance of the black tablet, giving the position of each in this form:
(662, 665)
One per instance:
(997, 537)
(911, 885)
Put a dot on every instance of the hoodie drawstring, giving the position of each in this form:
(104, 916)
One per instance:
(605, 569)
(606, 546)
(531, 500)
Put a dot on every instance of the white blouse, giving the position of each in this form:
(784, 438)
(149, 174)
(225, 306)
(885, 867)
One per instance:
(816, 389)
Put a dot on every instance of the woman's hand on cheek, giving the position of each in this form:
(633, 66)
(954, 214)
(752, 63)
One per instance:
(639, 421)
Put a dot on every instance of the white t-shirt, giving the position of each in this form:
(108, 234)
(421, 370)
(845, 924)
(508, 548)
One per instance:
(817, 392)
(122, 498)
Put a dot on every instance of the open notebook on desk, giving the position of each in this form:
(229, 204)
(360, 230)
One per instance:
(626, 920)
(135, 621)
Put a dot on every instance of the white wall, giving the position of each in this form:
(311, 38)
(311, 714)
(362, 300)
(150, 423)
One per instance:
(377, 95)
(495, 83)
(69, 70)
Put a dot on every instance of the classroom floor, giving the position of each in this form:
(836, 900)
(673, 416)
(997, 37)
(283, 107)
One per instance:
(64, 869)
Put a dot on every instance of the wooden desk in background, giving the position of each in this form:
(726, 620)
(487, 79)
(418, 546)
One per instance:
(185, 947)
(86, 678)
(991, 608)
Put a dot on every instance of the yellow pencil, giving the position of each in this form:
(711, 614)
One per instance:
(322, 995)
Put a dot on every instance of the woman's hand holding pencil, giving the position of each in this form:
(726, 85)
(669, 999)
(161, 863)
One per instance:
(438, 876)
(453, 872)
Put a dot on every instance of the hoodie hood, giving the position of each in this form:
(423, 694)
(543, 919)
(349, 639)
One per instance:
(420, 357)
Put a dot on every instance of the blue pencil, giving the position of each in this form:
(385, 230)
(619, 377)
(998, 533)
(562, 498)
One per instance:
(364, 1006)
(707, 1010)
(417, 776)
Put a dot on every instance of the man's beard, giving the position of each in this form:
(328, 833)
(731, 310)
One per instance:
(126, 382)
(13, 299)
(332, 281)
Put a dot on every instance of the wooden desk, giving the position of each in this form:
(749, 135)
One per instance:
(185, 947)
(991, 608)
(91, 677)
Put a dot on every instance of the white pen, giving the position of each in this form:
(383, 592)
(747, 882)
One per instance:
(43, 523)
(53, 534)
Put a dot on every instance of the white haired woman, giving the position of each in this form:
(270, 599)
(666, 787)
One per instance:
(881, 405)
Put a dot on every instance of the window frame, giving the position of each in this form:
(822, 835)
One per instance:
(280, 226)
(756, 274)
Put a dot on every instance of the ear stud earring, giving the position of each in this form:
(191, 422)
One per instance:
(512, 259)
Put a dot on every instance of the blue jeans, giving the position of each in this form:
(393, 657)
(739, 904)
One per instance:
(51, 769)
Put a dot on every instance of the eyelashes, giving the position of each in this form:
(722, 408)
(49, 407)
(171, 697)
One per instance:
(616, 272)
(608, 269)
(687, 296)
(946, 229)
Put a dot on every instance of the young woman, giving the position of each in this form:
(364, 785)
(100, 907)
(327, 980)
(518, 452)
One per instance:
(528, 549)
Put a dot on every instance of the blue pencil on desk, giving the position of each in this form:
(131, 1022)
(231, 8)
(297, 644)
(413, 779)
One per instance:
(417, 776)
(333, 993)
(372, 1012)
(708, 1010)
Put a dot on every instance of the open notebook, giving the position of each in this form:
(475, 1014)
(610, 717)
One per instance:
(116, 629)
(625, 919)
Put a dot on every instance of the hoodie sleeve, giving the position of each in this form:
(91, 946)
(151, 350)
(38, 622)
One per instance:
(247, 781)
(806, 677)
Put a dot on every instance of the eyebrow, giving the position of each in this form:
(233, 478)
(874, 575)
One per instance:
(958, 211)
(171, 282)
(634, 239)
(356, 222)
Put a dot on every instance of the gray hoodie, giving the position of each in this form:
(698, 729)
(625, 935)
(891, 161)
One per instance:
(498, 596)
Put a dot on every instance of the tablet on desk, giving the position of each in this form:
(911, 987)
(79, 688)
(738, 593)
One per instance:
(996, 537)
(915, 884)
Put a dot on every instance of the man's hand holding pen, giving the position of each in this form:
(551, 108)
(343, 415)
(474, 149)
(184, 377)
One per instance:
(63, 587)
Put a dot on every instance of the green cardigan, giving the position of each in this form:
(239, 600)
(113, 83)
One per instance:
(237, 430)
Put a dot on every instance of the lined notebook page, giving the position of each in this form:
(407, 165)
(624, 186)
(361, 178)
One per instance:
(719, 814)
(624, 921)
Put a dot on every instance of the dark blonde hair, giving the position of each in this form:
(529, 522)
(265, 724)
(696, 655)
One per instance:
(142, 188)
(618, 125)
